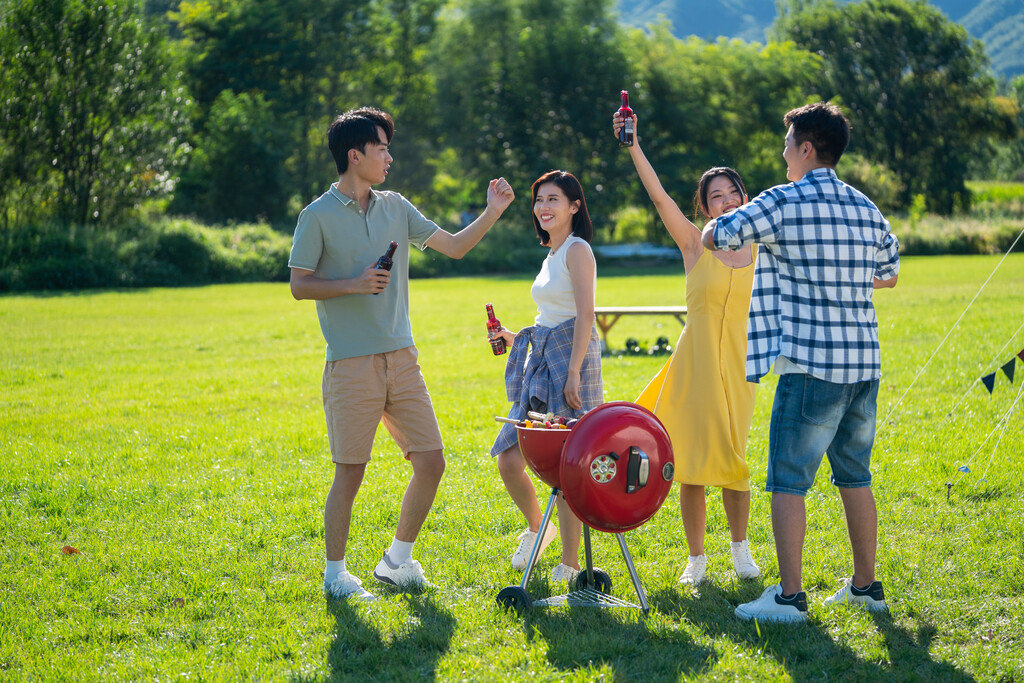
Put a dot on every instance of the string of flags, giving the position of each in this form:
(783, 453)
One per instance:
(989, 380)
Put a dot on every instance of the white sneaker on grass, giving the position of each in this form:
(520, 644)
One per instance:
(696, 566)
(406, 575)
(526, 539)
(742, 561)
(771, 606)
(871, 598)
(347, 586)
(564, 573)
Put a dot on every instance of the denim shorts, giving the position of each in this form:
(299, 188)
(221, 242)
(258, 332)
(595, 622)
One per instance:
(811, 418)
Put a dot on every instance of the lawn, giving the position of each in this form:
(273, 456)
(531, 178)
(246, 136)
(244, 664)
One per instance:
(175, 438)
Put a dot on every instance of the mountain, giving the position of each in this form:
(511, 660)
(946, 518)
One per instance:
(999, 24)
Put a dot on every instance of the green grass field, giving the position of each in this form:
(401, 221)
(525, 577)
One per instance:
(175, 437)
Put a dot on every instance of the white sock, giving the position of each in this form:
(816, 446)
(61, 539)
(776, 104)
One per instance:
(332, 568)
(400, 552)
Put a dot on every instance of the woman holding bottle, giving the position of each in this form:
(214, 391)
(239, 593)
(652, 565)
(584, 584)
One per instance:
(701, 395)
(555, 365)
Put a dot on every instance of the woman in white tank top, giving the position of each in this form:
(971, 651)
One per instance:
(562, 371)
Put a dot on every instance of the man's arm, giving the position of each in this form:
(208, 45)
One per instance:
(305, 285)
(499, 196)
(707, 237)
(886, 284)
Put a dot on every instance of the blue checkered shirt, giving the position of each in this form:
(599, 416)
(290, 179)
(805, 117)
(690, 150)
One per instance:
(822, 244)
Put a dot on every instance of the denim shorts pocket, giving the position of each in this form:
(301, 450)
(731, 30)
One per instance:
(824, 403)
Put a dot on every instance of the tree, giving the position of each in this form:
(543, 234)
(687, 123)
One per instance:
(308, 61)
(93, 118)
(916, 87)
(528, 86)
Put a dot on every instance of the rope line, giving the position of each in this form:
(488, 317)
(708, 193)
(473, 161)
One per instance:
(995, 360)
(927, 362)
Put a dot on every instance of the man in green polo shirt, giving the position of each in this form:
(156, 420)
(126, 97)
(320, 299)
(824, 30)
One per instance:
(371, 373)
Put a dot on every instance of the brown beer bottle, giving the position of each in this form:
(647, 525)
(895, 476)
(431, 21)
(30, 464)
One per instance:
(498, 345)
(626, 132)
(385, 262)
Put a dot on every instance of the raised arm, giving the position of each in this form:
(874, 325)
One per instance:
(685, 233)
(582, 270)
(499, 196)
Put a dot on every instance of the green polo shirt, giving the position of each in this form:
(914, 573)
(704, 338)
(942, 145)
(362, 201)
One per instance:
(337, 241)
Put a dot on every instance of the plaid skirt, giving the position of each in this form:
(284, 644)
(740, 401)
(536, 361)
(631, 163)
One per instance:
(535, 375)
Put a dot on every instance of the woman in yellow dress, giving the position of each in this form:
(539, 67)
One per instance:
(701, 395)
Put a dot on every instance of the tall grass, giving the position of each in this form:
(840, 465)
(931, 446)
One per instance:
(176, 439)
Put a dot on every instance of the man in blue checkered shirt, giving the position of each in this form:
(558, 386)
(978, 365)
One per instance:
(824, 248)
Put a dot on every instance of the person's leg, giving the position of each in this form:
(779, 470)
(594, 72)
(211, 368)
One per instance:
(862, 525)
(693, 509)
(571, 529)
(427, 469)
(737, 512)
(789, 524)
(338, 508)
(512, 468)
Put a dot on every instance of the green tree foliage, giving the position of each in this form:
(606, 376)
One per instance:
(916, 87)
(236, 171)
(92, 115)
(528, 86)
(309, 61)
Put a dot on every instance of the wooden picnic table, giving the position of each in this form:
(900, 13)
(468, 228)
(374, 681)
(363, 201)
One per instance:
(607, 316)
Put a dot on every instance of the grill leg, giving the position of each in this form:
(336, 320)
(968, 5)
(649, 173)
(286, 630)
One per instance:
(535, 553)
(632, 573)
(588, 555)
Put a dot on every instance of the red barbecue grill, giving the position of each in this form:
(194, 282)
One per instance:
(614, 467)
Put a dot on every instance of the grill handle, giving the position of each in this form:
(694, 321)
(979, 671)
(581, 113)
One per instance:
(638, 469)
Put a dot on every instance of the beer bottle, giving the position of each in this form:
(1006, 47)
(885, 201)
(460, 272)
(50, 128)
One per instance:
(385, 262)
(626, 132)
(498, 345)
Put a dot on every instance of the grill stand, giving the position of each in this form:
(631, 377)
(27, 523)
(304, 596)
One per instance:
(592, 585)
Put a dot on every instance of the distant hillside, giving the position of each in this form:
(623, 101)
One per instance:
(997, 23)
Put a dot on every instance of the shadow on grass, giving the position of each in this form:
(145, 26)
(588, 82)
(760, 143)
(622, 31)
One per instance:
(360, 653)
(808, 651)
(620, 638)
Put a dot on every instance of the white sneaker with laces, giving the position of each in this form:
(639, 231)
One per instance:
(406, 575)
(696, 566)
(526, 539)
(742, 562)
(564, 573)
(347, 586)
(771, 606)
(871, 598)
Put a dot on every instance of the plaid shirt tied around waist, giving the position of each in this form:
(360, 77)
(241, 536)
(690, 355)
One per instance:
(822, 244)
(535, 375)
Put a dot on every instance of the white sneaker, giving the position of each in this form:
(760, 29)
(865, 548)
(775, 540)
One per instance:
(564, 573)
(772, 607)
(742, 562)
(526, 539)
(871, 598)
(406, 575)
(696, 565)
(347, 586)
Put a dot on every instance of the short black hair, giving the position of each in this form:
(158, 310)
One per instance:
(824, 126)
(354, 130)
(573, 190)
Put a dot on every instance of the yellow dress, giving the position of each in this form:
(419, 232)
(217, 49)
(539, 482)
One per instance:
(701, 395)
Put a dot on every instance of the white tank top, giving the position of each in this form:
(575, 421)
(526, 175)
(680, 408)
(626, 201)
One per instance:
(552, 289)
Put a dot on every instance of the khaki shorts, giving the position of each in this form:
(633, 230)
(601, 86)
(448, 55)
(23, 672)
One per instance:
(387, 387)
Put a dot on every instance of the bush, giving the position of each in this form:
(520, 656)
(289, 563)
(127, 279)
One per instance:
(931, 235)
(160, 252)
